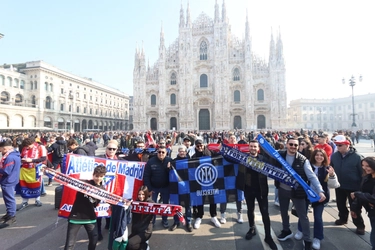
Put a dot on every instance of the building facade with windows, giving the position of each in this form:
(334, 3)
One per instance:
(208, 79)
(332, 114)
(38, 95)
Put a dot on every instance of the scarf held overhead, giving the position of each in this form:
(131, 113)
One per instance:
(268, 170)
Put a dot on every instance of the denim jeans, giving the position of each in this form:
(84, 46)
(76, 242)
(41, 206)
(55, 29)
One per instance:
(300, 205)
(71, 235)
(372, 234)
(318, 222)
(164, 192)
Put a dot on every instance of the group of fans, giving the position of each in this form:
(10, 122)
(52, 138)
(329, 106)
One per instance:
(327, 163)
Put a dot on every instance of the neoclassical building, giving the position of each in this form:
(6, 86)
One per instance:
(37, 95)
(208, 79)
(333, 114)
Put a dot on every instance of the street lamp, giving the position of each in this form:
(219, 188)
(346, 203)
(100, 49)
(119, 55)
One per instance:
(352, 84)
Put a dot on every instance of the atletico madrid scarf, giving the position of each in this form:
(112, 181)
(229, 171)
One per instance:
(100, 194)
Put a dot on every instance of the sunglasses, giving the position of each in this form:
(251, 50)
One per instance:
(199, 145)
(339, 145)
(112, 149)
(291, 145)
(161, 152)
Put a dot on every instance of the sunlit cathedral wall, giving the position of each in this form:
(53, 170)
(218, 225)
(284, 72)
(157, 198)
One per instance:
(208, 79)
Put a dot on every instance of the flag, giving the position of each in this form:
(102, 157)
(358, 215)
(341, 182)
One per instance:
(204, 180)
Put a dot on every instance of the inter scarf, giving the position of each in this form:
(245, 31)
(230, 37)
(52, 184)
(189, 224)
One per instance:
(235, 155)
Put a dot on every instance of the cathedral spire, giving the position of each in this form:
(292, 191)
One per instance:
(224, 12)
(161, 36)
(247, 29)
(272, 49)
(188, 20)
(217, 17)
(279, 50)
(182, 19)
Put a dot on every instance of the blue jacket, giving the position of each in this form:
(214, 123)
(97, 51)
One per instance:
(10, 170)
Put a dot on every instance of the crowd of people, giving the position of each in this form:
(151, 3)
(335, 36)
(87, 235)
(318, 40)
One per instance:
(322, 161)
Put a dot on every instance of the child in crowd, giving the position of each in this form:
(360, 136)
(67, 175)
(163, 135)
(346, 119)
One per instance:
(83, 213)
(141, 224)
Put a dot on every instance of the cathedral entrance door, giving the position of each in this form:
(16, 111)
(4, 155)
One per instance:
(204, 119)
(261, 122)
(237, 122)
(173, 123)
(153, 124)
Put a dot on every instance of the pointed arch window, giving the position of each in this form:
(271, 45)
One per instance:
(260, 95)
(236, 74)
(203, 81)
(237, 96)
(173, 79)
(173, 99)
(153, 100)
(203, 51)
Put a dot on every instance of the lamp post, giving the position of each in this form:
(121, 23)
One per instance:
(352, 84)
(71, 97)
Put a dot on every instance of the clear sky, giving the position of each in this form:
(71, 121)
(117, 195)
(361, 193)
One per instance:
(324, 41)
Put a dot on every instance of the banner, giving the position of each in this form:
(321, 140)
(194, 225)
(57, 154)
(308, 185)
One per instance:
(268, 170)
(123, 178)
(204, 180)
(157, 209)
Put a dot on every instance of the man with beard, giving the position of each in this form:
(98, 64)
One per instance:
(255, 186)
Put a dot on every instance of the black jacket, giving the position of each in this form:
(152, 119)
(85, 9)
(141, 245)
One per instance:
(156, 173)
(142, 223)
(244, 177)
(84, 206)
(365, 197)
(81, 150)
(54, 148)
(91, 146)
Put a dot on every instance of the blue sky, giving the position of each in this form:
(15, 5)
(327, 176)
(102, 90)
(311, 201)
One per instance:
(323, 40)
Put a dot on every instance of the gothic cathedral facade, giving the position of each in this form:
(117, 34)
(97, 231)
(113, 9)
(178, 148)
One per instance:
(208, 79)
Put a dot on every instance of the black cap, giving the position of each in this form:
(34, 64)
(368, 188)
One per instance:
(198, 141)
(186, 139)
(5, 143)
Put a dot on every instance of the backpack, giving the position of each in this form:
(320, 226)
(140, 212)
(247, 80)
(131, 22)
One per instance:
(61, 150)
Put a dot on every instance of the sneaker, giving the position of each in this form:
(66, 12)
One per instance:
(173, 227)
(43, 194)
(340, 222)
(239, 218)
(307, 245)
(250, 233)
(270, 243)
(285, 235)
(165, 224)
(298, 235)
(197, 223)
(223, 220)
(4, 218)
(277, 204)
(316, 244)
(11, 220)
(49, 184)
(189, 227)
(215, 221)
(360, 231)
(22, 206)
(38, 203)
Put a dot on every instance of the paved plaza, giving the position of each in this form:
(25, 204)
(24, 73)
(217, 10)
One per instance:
(40, 228)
